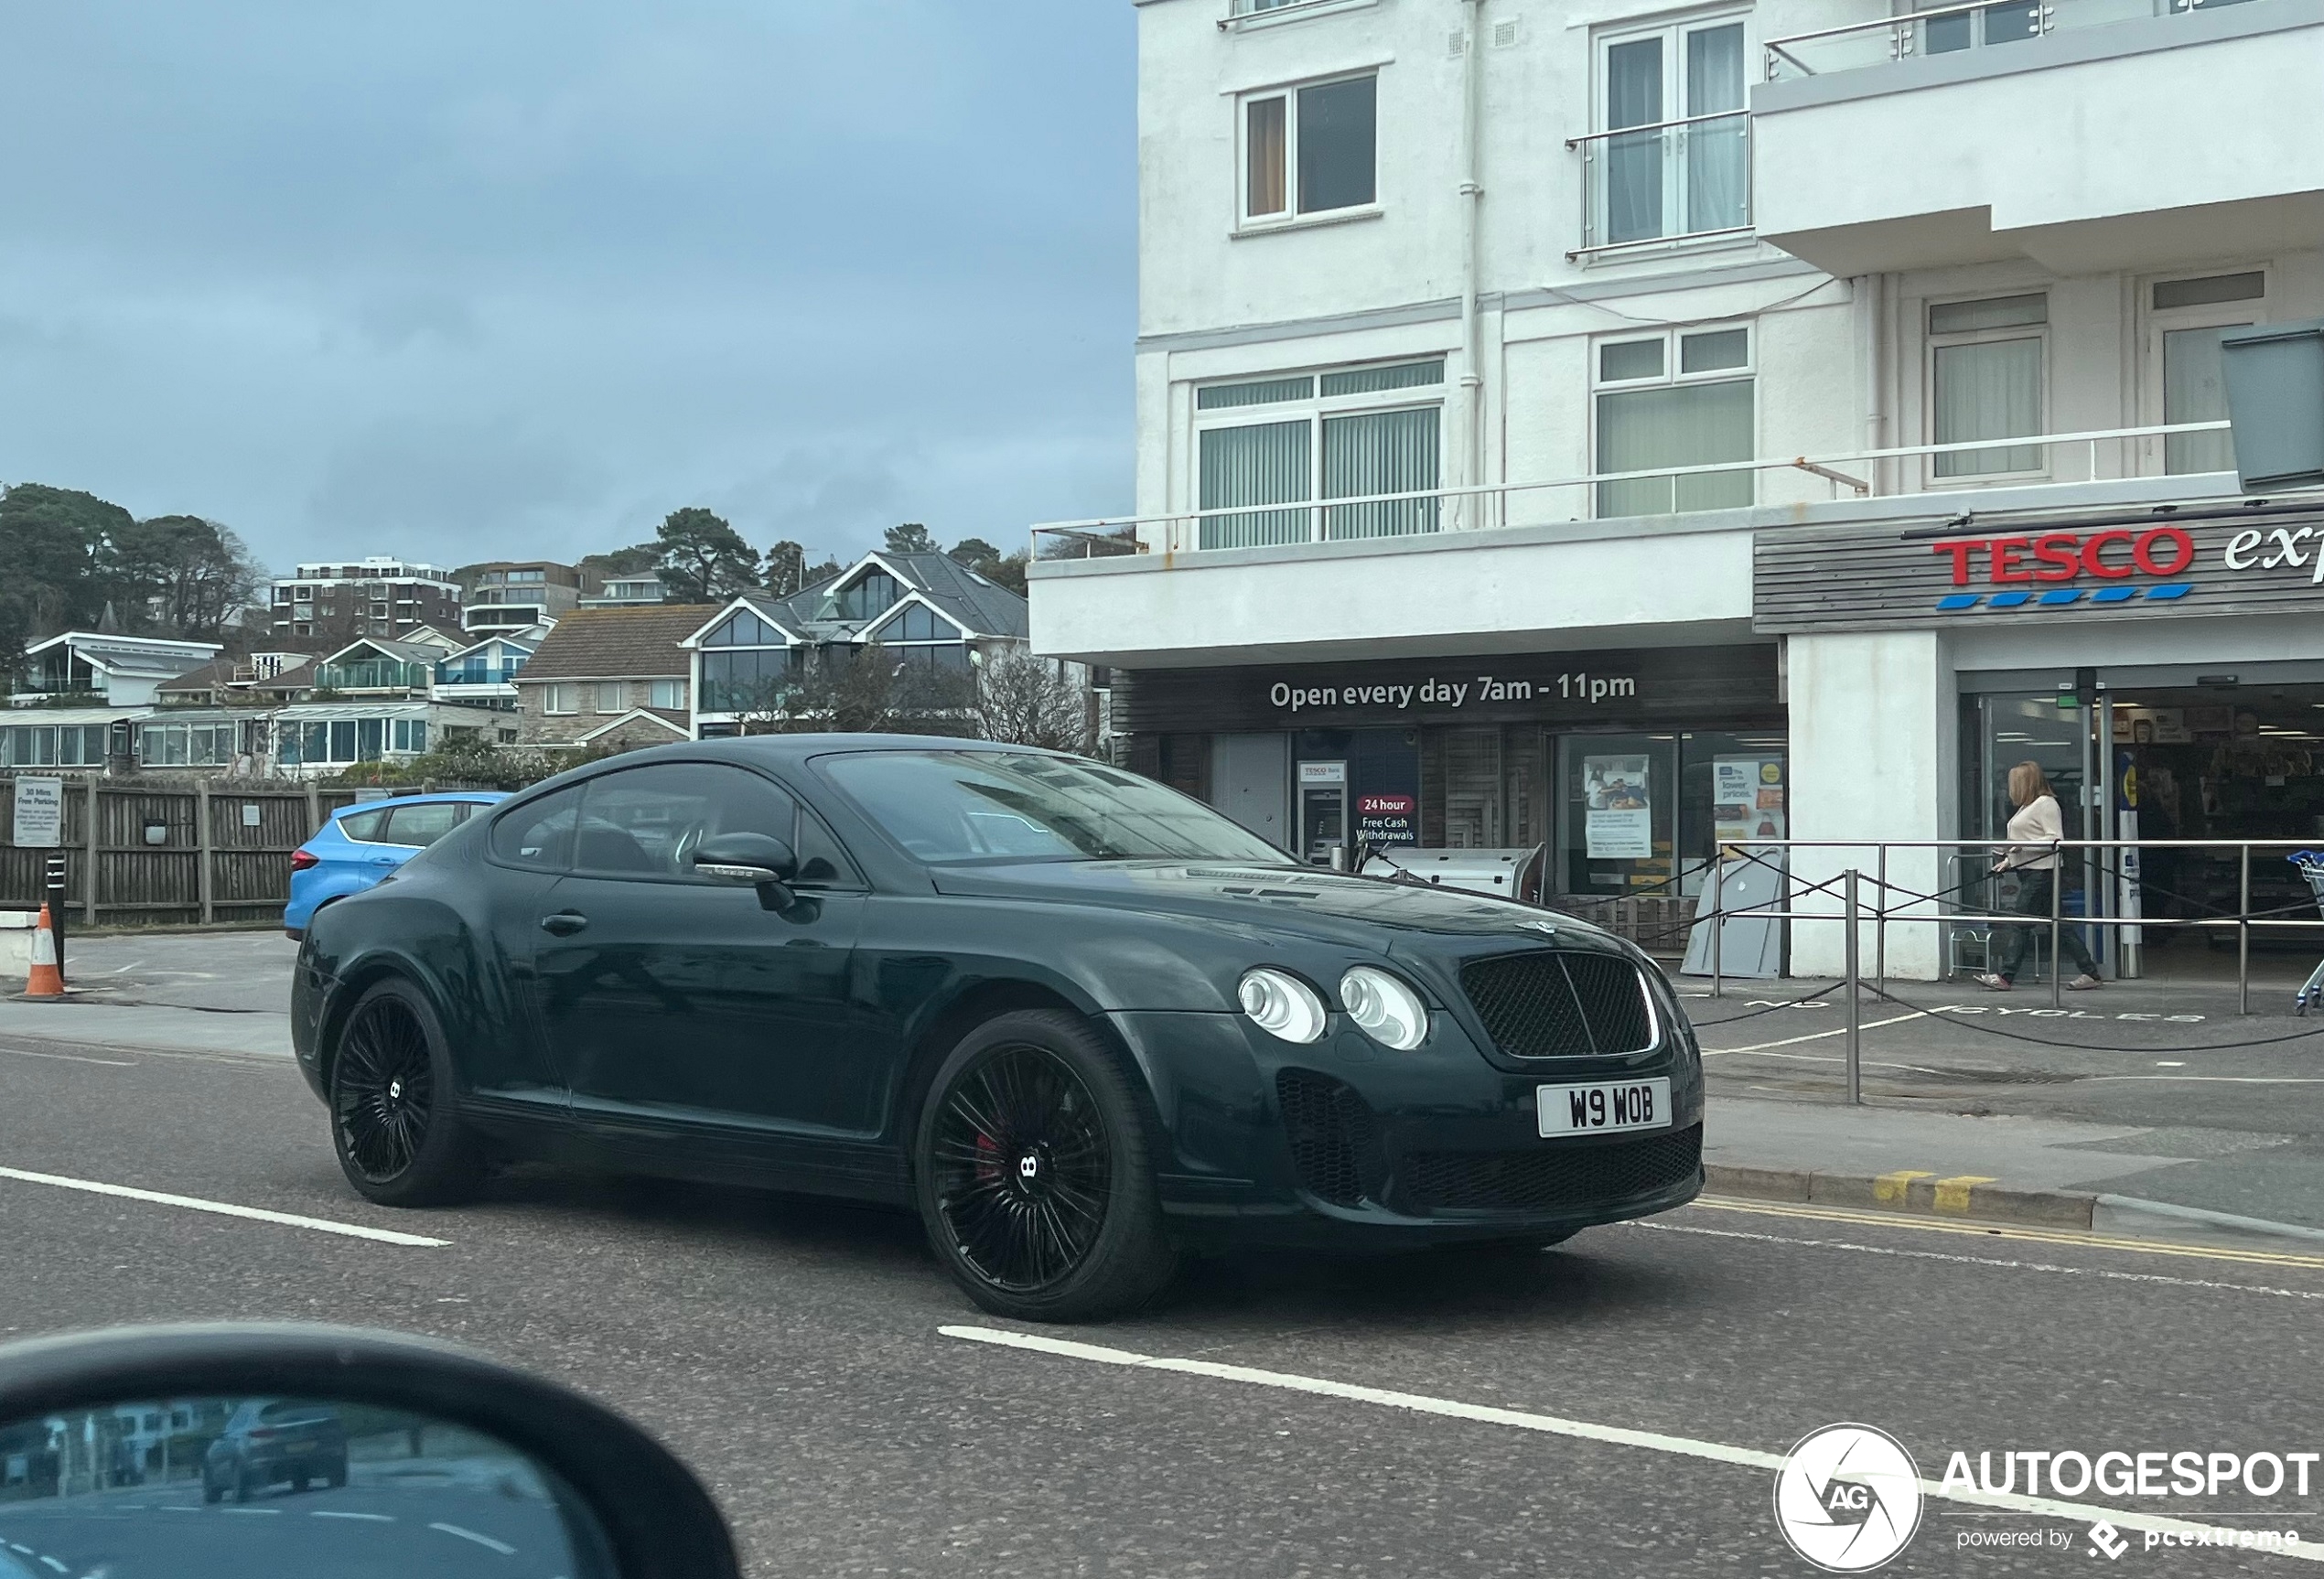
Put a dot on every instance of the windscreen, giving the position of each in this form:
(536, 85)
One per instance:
(951, 806)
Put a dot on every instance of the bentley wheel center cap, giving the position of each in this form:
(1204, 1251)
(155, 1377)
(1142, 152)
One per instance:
(395, 1090)
(1028, 1168)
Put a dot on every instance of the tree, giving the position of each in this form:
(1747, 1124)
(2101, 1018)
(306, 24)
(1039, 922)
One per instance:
(1022, 700)
(818, 573)
(972, 552)
(701, 559)
(911, 538)
(184, 575)
(634, 560)
(1004, 570)
(49, 542)
(785, 571)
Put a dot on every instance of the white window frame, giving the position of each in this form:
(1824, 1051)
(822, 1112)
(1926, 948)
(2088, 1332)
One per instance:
(560, 699)
(1314, 407)
(1672, 353)
(1932, 478)
(618, 692)
(1673, 32)
(2155, 322)
(675, 690)
(1290, 217)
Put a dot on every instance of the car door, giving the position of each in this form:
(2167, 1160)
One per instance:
(687, 1014)
(528, 849)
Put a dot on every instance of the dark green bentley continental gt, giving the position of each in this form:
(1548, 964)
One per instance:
(1081, 1021)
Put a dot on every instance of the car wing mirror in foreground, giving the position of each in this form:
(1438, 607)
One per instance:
(143, 1450)
(757, 859)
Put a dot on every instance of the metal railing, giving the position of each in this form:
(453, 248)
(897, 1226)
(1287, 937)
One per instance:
(1877, 473)
(1643, 187)
(1947, 29)
(1850, 912)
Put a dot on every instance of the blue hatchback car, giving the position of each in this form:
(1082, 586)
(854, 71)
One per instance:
(359, 844)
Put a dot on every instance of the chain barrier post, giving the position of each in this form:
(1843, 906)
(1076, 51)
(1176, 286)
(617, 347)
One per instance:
(1881, 923)
(2244, 934)
(1718, 917)
(56, 883)
(1856, 1030)
(2057, 924)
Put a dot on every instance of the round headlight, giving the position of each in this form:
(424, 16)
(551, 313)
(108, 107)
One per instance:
(1282, 1005)
(1388, 1011)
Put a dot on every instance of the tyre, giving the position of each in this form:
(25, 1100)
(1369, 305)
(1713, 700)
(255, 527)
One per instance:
(337, 1479)
(242, 1486)
(1034, 1174)
(395, 1119)
(211, 1493)
(298, 1484)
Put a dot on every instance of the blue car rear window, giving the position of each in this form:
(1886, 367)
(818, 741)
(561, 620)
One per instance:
(363, 825)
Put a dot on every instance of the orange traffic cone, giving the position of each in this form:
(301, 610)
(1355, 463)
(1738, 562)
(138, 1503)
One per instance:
(47, 980)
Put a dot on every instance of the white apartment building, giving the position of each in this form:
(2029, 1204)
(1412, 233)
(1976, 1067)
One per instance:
(1717, 361)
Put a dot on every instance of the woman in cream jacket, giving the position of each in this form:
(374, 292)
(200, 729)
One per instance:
(2037, 821)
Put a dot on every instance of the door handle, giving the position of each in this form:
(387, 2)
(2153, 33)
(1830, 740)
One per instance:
(565, 923)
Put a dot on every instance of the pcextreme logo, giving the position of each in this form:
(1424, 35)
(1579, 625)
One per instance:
(1847, 1497)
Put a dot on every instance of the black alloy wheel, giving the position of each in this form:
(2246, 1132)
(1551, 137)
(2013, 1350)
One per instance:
(395, 1121)
(384, 1090)
(1033, 1174)
(1025, 1168)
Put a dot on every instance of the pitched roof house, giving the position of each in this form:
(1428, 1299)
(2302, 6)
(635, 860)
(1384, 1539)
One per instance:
(612, 677)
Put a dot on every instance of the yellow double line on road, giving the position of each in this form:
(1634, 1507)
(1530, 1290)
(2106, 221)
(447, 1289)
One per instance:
(2008, 1232)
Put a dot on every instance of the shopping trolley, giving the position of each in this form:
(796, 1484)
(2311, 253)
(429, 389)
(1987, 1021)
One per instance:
(2311, 866)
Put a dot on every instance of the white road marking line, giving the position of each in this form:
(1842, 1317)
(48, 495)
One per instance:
(73, 1058)
(179, 1508)
(250, 1510)
(2098, 1271)
(1555, 1425)
(225, 1209)
(368, 1518)
(13, 1546)
(502, 1547)
(1815, 1035)
(60, 1567)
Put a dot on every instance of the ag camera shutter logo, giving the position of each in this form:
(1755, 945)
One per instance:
(1847, 1497)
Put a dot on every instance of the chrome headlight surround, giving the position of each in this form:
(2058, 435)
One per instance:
(1281, 1004)
(1384, 1007)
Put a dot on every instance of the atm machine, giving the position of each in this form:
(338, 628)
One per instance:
(1323, 814)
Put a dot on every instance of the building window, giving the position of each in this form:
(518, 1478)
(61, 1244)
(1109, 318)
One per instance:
(562, 698)
(2187, 381)
(868, 596)
(612, 696)
(1672, 156)
(670, 695)
(1349, 434)
(1986, 361)
(749, 678)
(2005, 24)
(1310, 150)
(1682, 398)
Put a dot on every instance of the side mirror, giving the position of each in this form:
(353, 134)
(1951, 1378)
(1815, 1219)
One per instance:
(752, 858)
(414, 1458)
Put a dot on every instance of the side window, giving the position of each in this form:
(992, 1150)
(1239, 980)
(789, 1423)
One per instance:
(363, 825)
(821, 862)
(423, 824)
(648, 822)
(539, 833)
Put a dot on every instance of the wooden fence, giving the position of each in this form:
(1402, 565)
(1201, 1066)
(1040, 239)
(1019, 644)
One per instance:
(151, 852)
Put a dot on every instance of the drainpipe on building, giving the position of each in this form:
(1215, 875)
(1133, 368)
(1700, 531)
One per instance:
(1869, 295)
(1472, 196)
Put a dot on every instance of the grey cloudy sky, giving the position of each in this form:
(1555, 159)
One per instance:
(468, 280)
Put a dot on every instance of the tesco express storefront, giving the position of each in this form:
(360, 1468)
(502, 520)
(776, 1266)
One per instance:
(2164, 665)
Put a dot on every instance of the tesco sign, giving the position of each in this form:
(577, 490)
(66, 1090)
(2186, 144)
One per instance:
(2057, 556)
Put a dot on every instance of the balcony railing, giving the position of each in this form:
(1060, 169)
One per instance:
(1905, 469)
(373, 674)
(1673, 181)
(1947, 29)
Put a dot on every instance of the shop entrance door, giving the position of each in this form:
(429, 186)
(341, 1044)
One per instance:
(1250, 782)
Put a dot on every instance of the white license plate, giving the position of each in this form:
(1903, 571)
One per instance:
(1603, 1106)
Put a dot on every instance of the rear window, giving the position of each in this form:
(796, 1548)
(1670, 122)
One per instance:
(363, 825)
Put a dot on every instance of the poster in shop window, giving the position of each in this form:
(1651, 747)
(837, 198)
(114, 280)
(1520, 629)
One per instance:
(1620, 808)
(1746, 799)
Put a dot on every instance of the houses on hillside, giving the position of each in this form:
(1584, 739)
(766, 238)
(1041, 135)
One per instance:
(619, 671)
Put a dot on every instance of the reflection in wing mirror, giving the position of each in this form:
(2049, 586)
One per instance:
(128, 1448)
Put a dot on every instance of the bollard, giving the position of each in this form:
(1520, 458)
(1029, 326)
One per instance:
(1881, 923)
(2057, 928)
(1856, 1030)
(57, 909)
